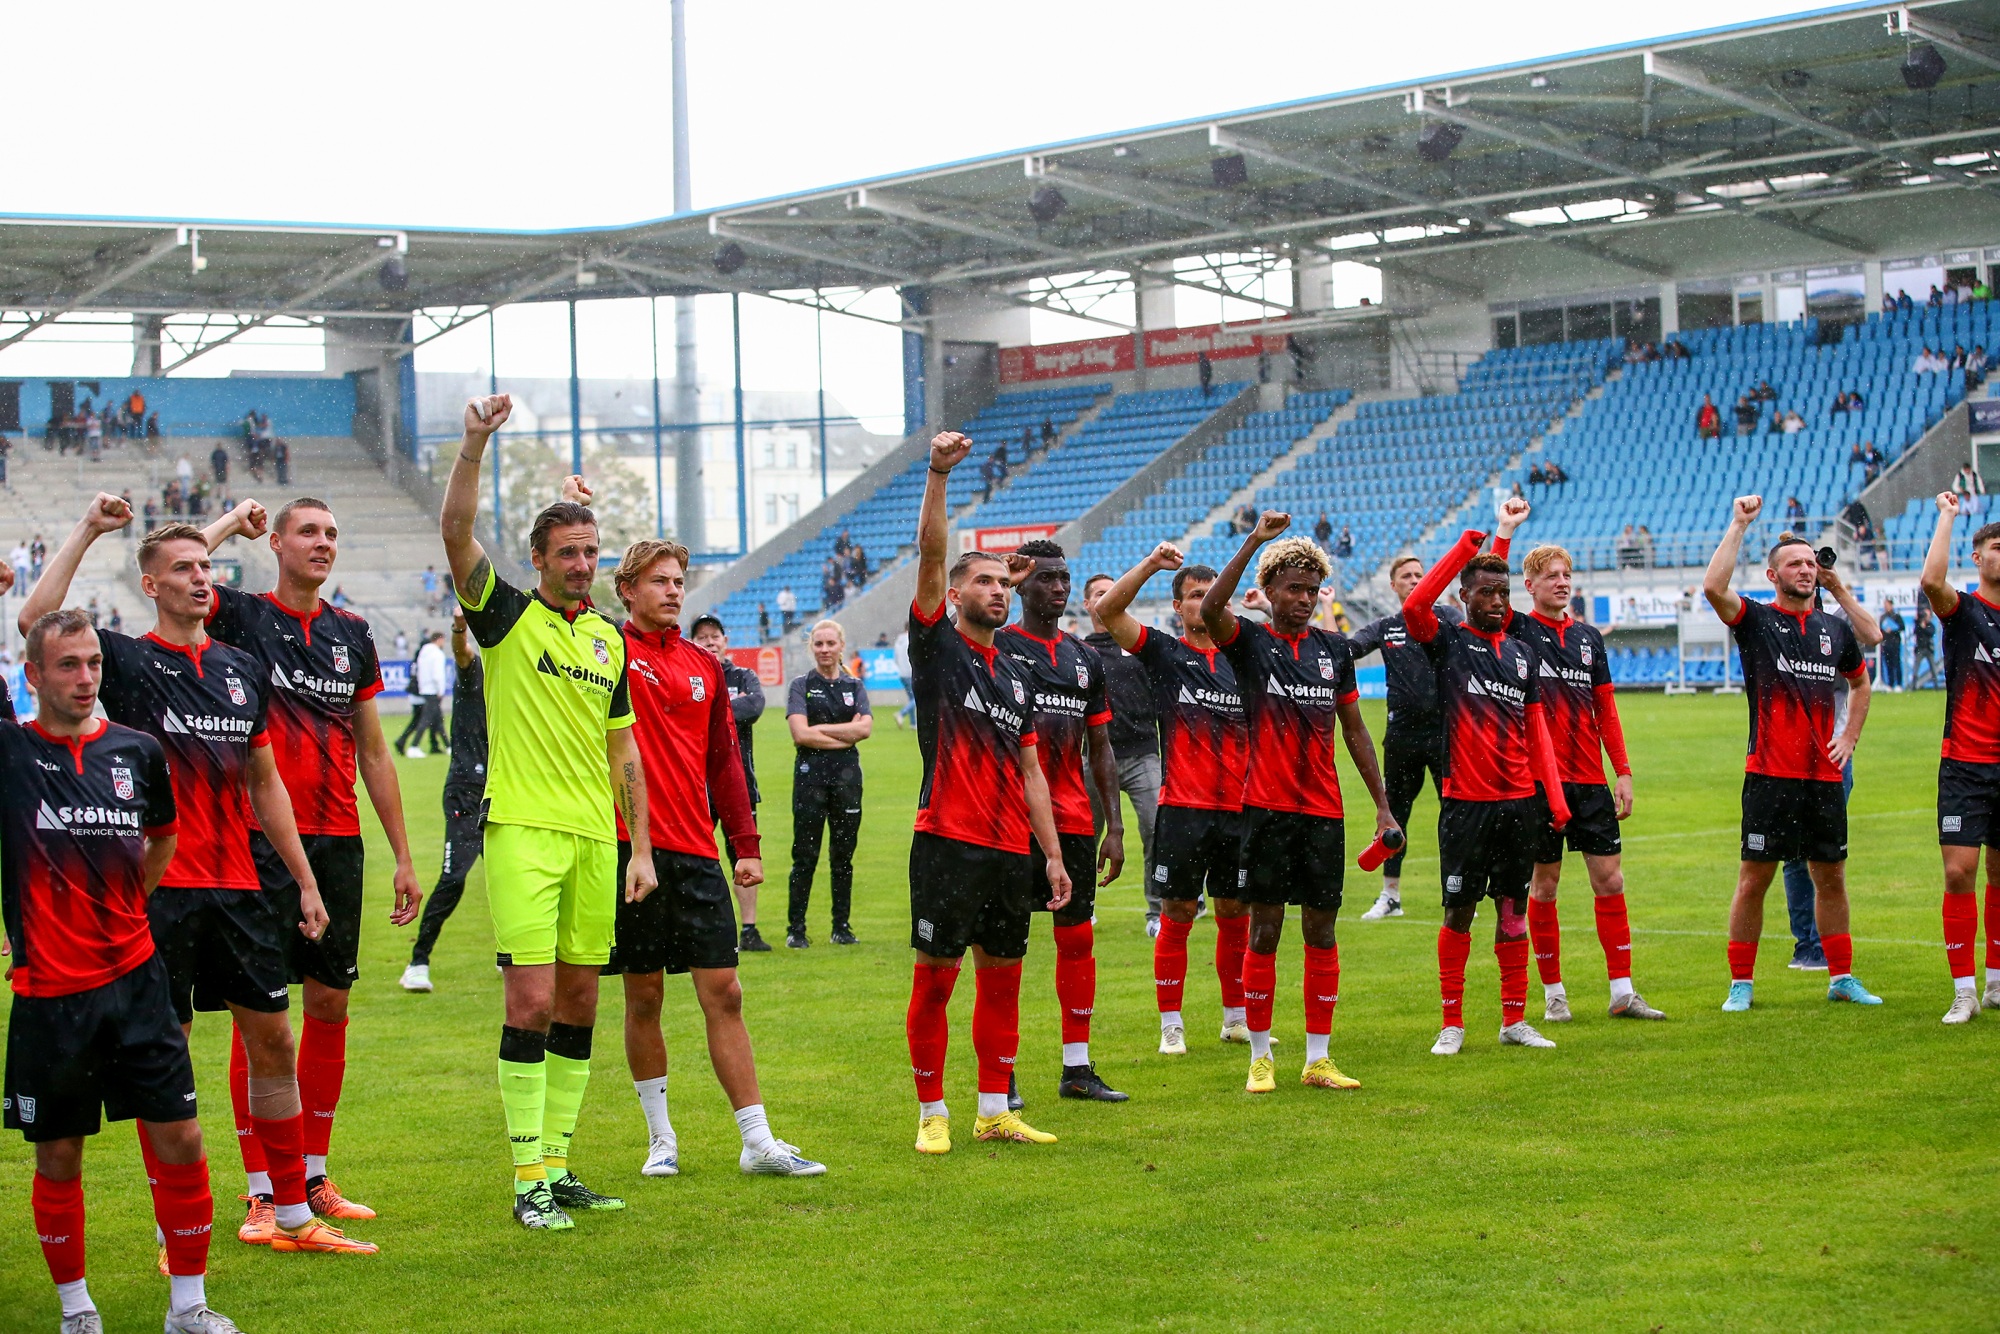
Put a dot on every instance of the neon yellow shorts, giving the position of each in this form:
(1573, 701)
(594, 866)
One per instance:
(554, 895)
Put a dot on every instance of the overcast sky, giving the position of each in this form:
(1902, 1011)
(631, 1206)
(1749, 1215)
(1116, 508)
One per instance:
(513, 114)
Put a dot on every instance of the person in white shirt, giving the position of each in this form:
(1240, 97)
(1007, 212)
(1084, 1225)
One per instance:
(907, 715)
(427, 684)
(788, 608)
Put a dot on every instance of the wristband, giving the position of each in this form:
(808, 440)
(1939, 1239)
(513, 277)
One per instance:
(942, 472)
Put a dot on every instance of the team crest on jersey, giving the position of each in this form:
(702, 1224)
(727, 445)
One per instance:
(1826, 646)
(1020, 695)
(847, 697)
(1326, 669)
(1082, 677)
(1586, 655)
(340, 663)
(236, 695)
(603, 652)
(121, 783)
(700, 688)
(1521, 668)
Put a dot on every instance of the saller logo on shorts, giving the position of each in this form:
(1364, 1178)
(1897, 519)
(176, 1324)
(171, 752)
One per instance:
(1755, 842)
(924, 929)
(1952, 824)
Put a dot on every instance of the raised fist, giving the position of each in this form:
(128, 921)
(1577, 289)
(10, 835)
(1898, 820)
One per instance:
(1514, 511)
(1947, 503)
(1270, 523)
(1167, 556)
(1019, 567)
(576, 491)
(251, 519)
(485, 415)
(107, 513)
(1747, 509)
(948, 450)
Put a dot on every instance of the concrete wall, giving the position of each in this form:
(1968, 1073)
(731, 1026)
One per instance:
(298, 406)
(1924, 469)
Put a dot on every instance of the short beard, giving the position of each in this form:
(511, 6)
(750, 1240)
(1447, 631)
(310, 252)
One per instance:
(977, 615)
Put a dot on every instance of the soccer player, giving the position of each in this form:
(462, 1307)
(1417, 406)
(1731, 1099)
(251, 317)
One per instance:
(983, 798)
(746, 705)
(222, 937)
(1066, 692)
(828, 715)
(1573, 681)
(1969, 769)
(1496, 744)
(1413, 742)
(1297, 683)
(87, 824)
(321, 665)
(1792, 800)
(1135, 738)
(687, 736)
(1205, 744)
(464, 790)
(560, 725)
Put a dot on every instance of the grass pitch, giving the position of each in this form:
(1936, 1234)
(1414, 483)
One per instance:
(1802, 1166)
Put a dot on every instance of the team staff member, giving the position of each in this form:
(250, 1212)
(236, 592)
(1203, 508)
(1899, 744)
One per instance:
(746, 705)
(1413, 742)
(1969, 768)
(983, 798)
(464, 791)
(6, 587)
(222, 937)
(1792, 800)
(87, 823)
(325, 731)
(562, 751)
(1298, 685)
(1135, 738)
(827, 712)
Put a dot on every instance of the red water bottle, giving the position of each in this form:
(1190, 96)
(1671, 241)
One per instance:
(1386, 845)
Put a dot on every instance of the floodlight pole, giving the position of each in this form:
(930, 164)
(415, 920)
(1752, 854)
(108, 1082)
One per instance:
(659, 477)
(493, 387)
(575, 400)
(819, 369)
(689, 516)
(742, 479)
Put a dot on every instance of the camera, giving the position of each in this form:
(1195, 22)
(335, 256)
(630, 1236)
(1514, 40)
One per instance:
(1827, 557)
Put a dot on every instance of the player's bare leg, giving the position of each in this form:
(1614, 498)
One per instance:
(646, 1059)
(1831, 916)
(721, 997)
(1614, 935)
(1961, 929)
(1746, 927)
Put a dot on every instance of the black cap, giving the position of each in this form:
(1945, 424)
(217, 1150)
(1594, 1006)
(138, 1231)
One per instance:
(707, 618)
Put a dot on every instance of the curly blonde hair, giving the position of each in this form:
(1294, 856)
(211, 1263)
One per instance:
(1292, 553)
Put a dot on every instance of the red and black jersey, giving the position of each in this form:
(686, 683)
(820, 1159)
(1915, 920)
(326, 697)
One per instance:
(1792, 662)
(1066, 691)
(205, 705)
(1573, 681)
(973, 717)
(1292, 691)
(75, 814)
(320, 667)
(1204, 731)
(1413, 702)
(687, 741)
(1487, 683)
(1972, 681)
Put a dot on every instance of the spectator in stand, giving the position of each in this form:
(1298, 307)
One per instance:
(1628, 548)
(763, 624)
(1676, 350)
(1048, 432)
(1323, 530)
(1557, 474)
(339, 599)
(1871, 461)
(1891, 621)
(135, 406)
(152, 514)
(115, 623)
(842, 543)
(1923, 665)
(1888, 304)
(1904, 304)
(152, 430)
(1707, 421)
(1746, 415)
(830, 585)
(1344, 548)
(7, 445)
(989, 477)
(281, 461)
(1536, 477)
(1951, 294)
(1958, 358)
(430, 582)
(1244, 519)
(1777, 426)
(1794, 511)
(38, 556)
(1842, 402)
(1645, 546)
(857, 565)
(218, 462)
(1763, 393)
(1027, 442)
(1204, 372)
(1935, 299)
(93, 434)
(788, 609)
(20, 562)
(1970, 488)
(1976, 366)
(1926, 362)
(1794, 423)
(1000, 459)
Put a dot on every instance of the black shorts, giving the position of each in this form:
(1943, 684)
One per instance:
(117, 1048)
(1289, 857)
(1592, 829)
(1785, 819)
(1968, 804)
(1196, 850)
(222, 947)
(964, 894)
(688, 922)
(1488, 848)
(336, 859)
(1080, 860)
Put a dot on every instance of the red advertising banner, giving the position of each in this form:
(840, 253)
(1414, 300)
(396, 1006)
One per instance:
(1003, 539)
(767, 662)
(1102, 356)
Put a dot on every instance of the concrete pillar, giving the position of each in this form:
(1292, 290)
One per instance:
(147, 331)
(1153, 308)
(1871, 284)
(1670, 309)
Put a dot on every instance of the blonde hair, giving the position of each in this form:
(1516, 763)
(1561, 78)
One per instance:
(640, 557)
(150, 544)
(1537, 562)
(828, 624)
(1292, 553)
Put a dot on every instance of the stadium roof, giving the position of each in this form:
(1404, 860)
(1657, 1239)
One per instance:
(1774, 141)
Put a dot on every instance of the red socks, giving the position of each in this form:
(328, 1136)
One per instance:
(1992, 927)
(1742, 960)
(1170, 963)
(185, 1211)
(1961, 928)
(929, 1026)
(1076, 979)
(239, 1102)
(1232, 942)
(1513, 957)
(1839, 953)
(1614, 933)
(1322, 986)
(1454, 948)
(284, 1154)
(1546, 932)
(58, 1209)
(1260, 983)
(322, 1066)
(996, 1024)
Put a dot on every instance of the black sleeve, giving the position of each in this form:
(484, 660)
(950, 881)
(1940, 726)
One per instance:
(748, 704)
(1849, 658)
(492, 612)
(121, 676)
(1242, 650)
(1368, 639)
(861, 707)
(233, 619)
(160, 810)
(795, 697)
(1600, 660)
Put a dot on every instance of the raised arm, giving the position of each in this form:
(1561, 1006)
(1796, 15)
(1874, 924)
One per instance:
(1111, 608)
(106, 514)
(1513, 513)
(1936, 578)
(1215, 613)
(1420, 607)
(948, 450)
(247, 519)
(461, 646)
(1722, 565)
(469, 565)
(1866, 628)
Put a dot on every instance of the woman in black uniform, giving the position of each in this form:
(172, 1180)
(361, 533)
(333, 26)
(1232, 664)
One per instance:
(827, 710)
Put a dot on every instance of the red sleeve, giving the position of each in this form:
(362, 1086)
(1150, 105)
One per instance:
(1542, 753)
(1417, 608)
(1501, 546)
(1030, 739)
(167, 830)
(932, 618)
(1612, 730)
(1098, 719)
(260, 739)
(725, 775)
(369, 691)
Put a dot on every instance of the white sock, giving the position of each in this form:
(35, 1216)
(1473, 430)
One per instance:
(75, 1298)
(1232, 1015)
(1837, 976)
(1260, 1045)
(1551, 990)
(1992, 974)
(315, 1165)
(1620, 987)
(260, 1182)
(1170, 1019)
(653, 1102)
(1393, 888)
(186, 1292)
(992, 1104)
(756, 1128)
(294, 1215)
(1963, 983)
(933, 1109)
(1316, 1045)
(1076, 1053)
